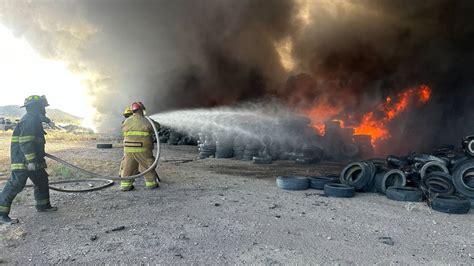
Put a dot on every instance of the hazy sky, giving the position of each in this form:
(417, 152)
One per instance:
(24, 72)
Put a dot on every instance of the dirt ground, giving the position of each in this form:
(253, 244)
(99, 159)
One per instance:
(216, 211)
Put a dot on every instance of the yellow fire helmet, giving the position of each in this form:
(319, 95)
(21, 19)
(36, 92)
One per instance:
(35, 99)
(127, 112)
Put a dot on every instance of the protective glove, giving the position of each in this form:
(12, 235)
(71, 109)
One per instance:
(31, 166)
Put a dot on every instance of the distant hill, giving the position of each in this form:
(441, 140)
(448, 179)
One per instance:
(58, 116)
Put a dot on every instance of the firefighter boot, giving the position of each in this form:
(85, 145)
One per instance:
(126, 185)
(152, 185)
(127, 188)
(5, 219)
(46, 208)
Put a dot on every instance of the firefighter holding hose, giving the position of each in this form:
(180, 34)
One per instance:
(27, 159)
(126, 113)
(138, 148)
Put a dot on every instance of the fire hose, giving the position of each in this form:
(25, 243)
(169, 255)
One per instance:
(109, 180)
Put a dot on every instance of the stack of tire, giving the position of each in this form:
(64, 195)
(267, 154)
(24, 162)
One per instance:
(309, 154)
(174, 137)
(208, 148)
(275, 150)
(264, 156)
(252, 149)
(224, 146)
(329, 183)
(187, 140)
(238, 147)
(164, 135)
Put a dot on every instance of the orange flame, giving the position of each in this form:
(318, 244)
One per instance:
(319, 114)
(375, 123)
(377, 127)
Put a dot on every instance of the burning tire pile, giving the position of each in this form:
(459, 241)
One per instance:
(444, 179)
(286, 138)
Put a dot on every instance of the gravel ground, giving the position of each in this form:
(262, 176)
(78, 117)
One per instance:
(227, 212)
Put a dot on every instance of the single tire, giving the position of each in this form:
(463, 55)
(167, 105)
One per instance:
(451, 204)
(433, 166)
(318, 182)
(357, 175)
(370, 187)
(437, 183)
(292, 182)
(104, 146)
(393, 177)
(468, 145)
(339, 190)
(398, 193)
(463, 180)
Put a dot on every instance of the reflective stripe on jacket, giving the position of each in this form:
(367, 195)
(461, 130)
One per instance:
(137, 132)
(27, 143)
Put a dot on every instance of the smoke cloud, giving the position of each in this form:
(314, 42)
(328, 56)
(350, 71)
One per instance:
(349, 55)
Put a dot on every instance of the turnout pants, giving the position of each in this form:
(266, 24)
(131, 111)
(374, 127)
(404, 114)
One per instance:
(16, 183)
(138, 161)
(121, 167)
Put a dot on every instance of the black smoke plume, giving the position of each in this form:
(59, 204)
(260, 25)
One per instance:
(185, 54)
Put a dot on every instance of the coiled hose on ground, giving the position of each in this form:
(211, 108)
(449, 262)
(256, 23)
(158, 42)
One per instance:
(109, 180)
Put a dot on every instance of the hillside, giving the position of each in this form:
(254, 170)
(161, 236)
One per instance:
(58, 116)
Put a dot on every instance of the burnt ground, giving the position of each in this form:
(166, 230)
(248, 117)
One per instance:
(226, 212)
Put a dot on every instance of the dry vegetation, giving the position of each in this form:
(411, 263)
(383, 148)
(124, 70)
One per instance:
(65, 143)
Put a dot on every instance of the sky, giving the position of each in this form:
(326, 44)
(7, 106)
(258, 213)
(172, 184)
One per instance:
(24, 72)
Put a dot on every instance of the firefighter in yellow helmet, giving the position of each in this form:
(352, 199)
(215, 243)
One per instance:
(127, 112)
(138, 148)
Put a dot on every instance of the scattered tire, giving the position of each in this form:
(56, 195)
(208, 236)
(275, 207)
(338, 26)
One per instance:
(398, 193)
(224, 146)
(463, 179)
(318, 182)
(393, 177)
(104, 146)
(357, 175)
(433, 166)
(292, 182)
(451, 204)
(437, 183)
(339, 190)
